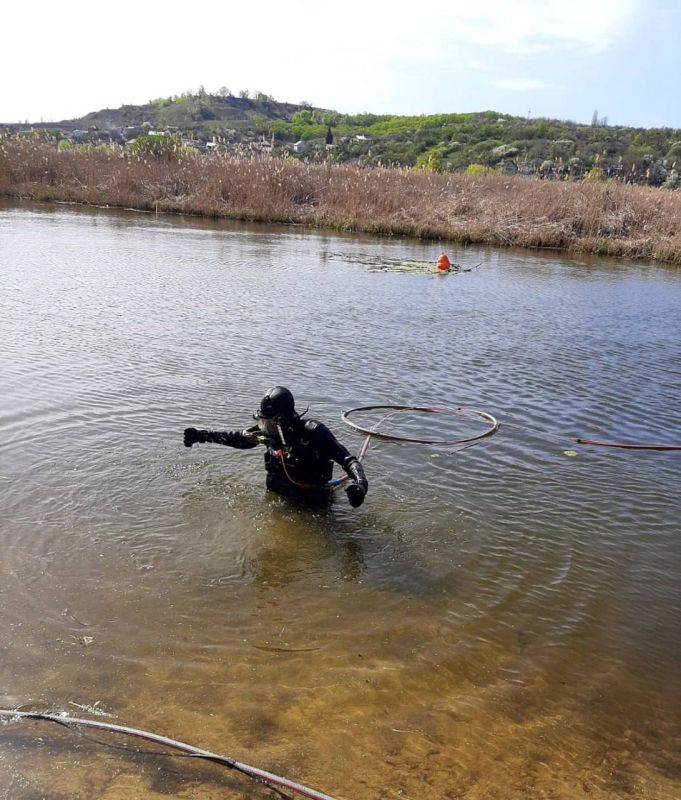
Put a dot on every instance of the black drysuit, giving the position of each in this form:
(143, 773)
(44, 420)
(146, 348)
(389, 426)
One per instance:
(302, 464)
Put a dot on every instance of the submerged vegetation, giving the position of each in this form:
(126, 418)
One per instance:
(594, 215)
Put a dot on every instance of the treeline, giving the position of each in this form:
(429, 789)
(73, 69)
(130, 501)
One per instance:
(439, 142)
(453, 142)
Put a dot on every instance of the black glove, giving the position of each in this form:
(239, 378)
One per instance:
(356, 494)
(359, 486)
(192, 436)
(356, 472)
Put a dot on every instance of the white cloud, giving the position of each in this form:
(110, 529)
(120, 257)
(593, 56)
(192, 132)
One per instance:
(436, 26)
(522, 84)
(85, 55)
(529, 25)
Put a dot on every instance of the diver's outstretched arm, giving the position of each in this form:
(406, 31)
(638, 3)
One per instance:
(242, 440)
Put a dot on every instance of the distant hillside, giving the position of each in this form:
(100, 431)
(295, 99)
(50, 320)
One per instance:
(440, 142)
(198, 113)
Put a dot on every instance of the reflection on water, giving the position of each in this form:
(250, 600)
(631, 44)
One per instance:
(499, 622)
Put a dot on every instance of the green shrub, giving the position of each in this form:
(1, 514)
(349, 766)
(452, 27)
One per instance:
(430, 161)
(595, 175)
(503, 151)
(478, 170)
(675, 150)
(303, 117)
(157, 146)
(673, 181)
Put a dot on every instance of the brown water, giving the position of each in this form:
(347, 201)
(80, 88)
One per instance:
(502, 622)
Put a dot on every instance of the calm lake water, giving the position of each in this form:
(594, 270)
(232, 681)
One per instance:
(501, 622)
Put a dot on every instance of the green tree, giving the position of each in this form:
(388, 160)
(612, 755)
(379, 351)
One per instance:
(331, 119)
(595, 175)
(303, 117)
(158, 146)
(478, 170)
(431, 160)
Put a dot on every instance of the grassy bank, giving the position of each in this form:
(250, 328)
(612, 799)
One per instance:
(606, 218)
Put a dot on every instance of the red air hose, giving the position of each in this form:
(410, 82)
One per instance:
(625, 446)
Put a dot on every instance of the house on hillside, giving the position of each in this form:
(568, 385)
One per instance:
(300, 147)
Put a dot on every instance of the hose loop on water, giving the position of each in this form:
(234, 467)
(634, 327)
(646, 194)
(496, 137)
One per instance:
(488, 419)
(492, 424)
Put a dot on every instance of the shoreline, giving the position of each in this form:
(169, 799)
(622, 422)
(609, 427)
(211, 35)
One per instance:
(12, 201)
(602, 219)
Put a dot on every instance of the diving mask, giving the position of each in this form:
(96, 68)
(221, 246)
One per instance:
(268, 426)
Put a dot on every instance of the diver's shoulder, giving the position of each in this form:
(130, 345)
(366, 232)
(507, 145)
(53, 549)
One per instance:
(311, 425)
(315, 427)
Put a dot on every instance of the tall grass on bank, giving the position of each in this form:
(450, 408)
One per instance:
(606, 218)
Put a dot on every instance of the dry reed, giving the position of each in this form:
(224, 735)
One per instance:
(605, 218)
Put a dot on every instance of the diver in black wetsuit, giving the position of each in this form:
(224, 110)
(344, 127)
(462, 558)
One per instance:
(300, 453)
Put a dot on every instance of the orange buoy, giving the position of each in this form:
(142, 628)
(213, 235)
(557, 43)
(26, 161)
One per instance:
(443, 263)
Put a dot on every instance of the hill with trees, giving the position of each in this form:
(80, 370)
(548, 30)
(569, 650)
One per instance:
(477, 141)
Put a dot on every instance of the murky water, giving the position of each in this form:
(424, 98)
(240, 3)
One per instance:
(502, 622)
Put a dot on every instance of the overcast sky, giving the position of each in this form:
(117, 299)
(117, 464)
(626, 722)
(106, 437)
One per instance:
(555, 58)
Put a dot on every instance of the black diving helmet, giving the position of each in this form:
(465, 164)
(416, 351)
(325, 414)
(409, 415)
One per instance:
(276, 407)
